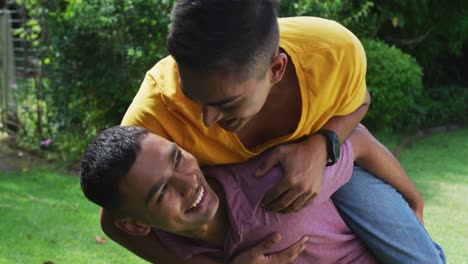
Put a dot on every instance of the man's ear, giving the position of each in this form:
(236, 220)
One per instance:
(278, 67)
(132, 227)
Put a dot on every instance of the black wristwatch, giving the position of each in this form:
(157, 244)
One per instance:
(333, 146)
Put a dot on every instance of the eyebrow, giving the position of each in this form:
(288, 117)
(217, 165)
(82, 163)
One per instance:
(218, 103)
(155, 188)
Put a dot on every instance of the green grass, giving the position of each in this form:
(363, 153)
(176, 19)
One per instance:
(438, 165)
(44, 216)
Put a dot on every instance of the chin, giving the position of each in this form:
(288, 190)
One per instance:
(233, 129)
(213, 207)
(241, 124)
(210, 214)
(199, 227)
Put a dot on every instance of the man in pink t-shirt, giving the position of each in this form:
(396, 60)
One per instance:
(153, 187)
(329, 239)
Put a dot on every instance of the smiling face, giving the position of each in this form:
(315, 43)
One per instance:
(165, 189)
(227, 101)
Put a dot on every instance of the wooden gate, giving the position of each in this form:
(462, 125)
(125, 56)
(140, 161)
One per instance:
(15, 67)
(7, 68)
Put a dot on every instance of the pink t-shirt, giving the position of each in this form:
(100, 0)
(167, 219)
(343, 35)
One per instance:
(330, 240)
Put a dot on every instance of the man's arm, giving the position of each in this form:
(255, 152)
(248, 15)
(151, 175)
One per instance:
(343, 126)
(147, 247)
(374, 157)
(304, 163)
(150, 248)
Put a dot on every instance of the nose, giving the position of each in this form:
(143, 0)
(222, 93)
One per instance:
(185, 184)
(211, 115)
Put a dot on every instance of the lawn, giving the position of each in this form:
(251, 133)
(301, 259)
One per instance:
(46, 218)
(438, 166)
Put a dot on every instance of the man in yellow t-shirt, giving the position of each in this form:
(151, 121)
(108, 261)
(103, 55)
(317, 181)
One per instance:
(330, 65)
(236, 84)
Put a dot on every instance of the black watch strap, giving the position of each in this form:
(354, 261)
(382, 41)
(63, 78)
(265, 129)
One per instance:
(333, 146)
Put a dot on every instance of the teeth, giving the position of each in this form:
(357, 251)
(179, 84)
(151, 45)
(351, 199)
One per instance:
(200, 196)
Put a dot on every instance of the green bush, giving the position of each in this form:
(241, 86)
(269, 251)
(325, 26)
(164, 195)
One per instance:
(351, 14)
(434, 32)
(100, 51)
(394, 80)
(94, 55)
(445, 105)
(325, 9)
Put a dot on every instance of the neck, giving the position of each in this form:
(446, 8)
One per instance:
(286, 87)
(284, 99)
(279, 116)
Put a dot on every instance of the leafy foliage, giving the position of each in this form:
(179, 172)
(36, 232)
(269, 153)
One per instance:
(445, 105)
(350, 14)
(395, 84)
(325, 9)
(434, 32)
(93, 55)
(100, 50)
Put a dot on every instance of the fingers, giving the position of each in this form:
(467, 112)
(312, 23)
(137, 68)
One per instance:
(272, 159)
(420, 217)
(288, 197)
(256, 254)
(283, 201)
(309, 201)
(298, 204)
(290, 254)
(275, 193)
(268, 243)
(418, 211)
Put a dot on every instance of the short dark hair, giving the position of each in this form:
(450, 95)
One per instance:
(239, 37)
(107, 159)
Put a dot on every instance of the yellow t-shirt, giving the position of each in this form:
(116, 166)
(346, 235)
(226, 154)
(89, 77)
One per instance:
(330, 65)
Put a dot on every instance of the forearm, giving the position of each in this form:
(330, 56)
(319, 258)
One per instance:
(147, 247)
(343, 125)
(154, 252)
(374, 157)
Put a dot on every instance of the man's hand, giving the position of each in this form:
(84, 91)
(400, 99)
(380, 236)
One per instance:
(303, 164)
(417, 205)
(256, 254)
